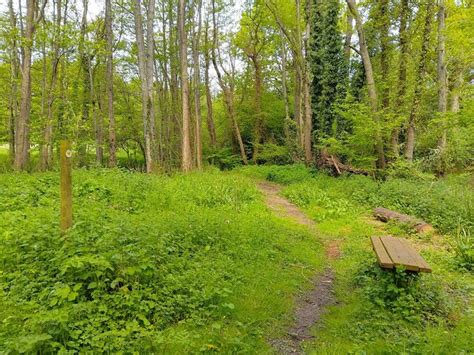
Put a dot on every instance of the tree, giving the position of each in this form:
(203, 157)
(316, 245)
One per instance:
(183, 58)
(420, 76)
(328, 68)
(34, 15)
(110, 83)
(369, 75)
(146, 77)
(197, 85)
(402, 73)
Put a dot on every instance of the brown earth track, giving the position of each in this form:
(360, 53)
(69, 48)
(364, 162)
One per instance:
(311, 304)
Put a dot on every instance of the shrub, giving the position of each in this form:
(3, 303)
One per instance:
(406, 295)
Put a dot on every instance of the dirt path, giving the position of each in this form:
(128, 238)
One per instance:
(311, 304)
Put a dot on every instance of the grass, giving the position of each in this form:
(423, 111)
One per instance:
(177, 264)
(429, 314)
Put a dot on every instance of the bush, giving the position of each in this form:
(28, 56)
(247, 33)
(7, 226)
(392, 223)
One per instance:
(274, 154)
(408, 296)
(225, 159)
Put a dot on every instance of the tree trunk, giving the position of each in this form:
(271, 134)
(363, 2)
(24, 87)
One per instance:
(420, 75)
(308, 115)
(402, 72)
(384, 51)
(22, 139)
(142, 69)
(386, 215)
(348, 40)
(442, 75)
(210, 119)
(46, 157)
(284, 86)
(197, 87)
(187, 162)
(369, 75)
(14, 76)
(110, 84)
(258, 129)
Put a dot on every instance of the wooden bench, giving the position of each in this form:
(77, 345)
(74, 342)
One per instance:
(392, 252)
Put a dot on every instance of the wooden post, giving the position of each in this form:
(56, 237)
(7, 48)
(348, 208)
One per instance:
(66, 185)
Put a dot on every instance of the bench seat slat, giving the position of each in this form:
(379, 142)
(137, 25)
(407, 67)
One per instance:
(382, 255)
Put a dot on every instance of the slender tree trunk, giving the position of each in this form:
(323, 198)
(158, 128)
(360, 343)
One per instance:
(46, 158)
(197, 87)
(284, 86)
(142, 68)
(384, 51)
(308, 115)
(210, 119)
(298, 104)
(455, 92)
(420, 76)
(258, 130)
(348, 40)
(187, 162)
(402, 73)
(369, 75)
(150, 50)
(14, 76)
(442, 75)
(22, 138)
(110, 84)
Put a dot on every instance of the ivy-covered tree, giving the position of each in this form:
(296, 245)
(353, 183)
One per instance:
(328, 68)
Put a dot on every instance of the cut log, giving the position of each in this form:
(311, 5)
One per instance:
(385, 215)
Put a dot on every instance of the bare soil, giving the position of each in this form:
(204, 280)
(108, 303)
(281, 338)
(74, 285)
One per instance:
(311, 304)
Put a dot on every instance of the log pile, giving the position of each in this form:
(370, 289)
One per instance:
(329, 161)
(385, 215)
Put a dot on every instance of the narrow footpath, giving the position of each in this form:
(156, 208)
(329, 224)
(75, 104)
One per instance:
(312, 303)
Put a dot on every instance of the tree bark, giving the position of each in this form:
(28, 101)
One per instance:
(284, 85)
(386, 215)
(142, 69)
(402, 73)
(210, 119)
(46, 157)
(442, 75)
(14, 76)
(420, 75)
(110, 84)
(384, 51)
(348, 40)
(187, 162)
(22, 136)
(197, 87)
(308, 115)
(369, 75)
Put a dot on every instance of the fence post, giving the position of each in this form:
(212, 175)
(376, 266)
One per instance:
(66, 185)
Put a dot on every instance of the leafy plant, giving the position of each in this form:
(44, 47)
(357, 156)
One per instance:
(463, 245)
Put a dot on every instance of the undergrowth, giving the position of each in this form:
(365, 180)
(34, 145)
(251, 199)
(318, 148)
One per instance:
(152, 264)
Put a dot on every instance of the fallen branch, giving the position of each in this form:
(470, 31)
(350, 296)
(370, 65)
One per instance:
(327, 160)
(385, 215)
